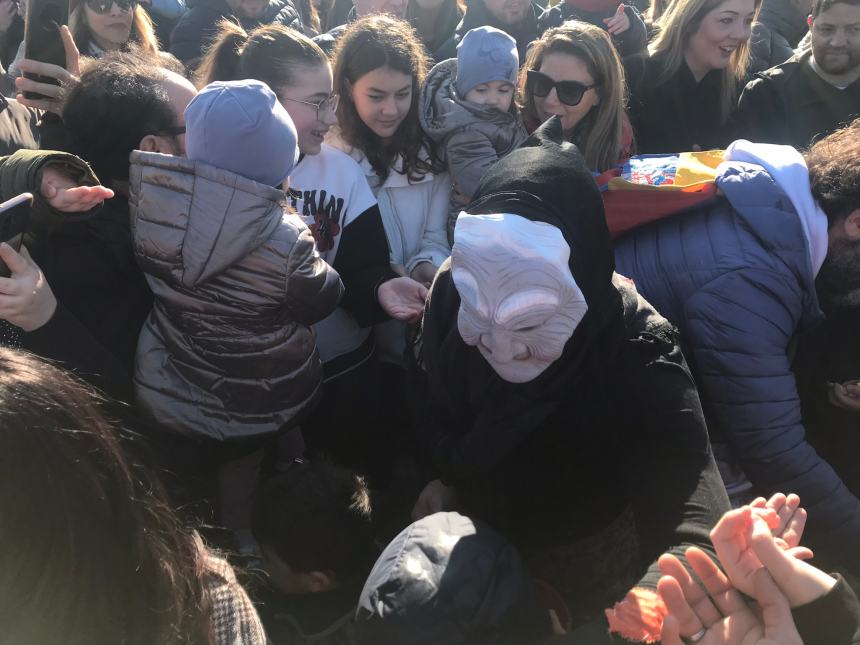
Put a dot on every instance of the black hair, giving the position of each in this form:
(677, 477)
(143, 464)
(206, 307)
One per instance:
(823, 5)
(92, 553)
(316, 517)
(834, 172)
(119, 100)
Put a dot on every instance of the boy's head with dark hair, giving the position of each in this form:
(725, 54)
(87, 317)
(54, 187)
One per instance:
(312, 523)
(125, 102)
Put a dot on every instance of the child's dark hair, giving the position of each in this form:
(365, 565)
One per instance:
(316, 517)
(368, 44)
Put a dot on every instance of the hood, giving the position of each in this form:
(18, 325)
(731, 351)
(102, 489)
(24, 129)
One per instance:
(785, 18)
(790, 230)
(442, 112)
(449, 579)
(546, 180)
(191, 221)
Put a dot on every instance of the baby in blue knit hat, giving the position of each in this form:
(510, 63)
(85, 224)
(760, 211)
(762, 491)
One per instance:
(467, 107)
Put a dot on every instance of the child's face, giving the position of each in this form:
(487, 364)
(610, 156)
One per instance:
(497, 94)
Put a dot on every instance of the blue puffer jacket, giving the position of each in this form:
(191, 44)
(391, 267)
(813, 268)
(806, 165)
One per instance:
(736, 278)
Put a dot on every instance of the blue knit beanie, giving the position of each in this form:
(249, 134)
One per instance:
(486, 54)
(241, 126)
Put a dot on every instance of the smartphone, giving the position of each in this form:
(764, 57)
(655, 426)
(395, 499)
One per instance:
(42, 40)
(14, 221)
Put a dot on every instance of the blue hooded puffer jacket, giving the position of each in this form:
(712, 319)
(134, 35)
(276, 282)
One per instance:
(736, 278)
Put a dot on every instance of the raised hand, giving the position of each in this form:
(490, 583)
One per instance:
(26, 299)
(402, 298)
(618, 23)
(718, 614)
(63, 194)
(745, 545)
(792, 518)
(66, 77)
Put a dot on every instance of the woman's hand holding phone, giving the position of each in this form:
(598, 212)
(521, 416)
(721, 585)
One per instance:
(66, 77)
(26, 299)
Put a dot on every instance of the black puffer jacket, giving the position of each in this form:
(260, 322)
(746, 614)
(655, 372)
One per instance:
(228, 351)
(198, 26)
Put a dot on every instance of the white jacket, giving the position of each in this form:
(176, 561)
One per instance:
(414, 214)
(415, 217)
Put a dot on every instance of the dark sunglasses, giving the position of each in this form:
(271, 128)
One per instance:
(569, 92)
(104, 6)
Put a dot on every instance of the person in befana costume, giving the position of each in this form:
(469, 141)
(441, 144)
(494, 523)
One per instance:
(560, 408)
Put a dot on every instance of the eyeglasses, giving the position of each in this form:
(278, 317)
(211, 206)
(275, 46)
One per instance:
(569, 92)
(328, 104)
(174, 131)
(104, 6)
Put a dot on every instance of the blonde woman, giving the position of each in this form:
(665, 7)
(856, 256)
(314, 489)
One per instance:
(684, 92)
(574, 71)
(100, 26)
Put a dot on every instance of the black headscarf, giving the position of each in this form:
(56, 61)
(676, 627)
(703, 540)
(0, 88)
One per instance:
(546, 180)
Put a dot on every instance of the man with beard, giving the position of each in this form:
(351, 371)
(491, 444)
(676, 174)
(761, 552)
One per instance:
(813, 93)
(742, 277)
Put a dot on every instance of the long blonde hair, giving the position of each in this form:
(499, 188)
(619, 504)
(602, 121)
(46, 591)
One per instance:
(142, 31)
(600, 140)
(683, 19)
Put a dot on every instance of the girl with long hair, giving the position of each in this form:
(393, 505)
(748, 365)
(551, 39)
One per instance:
(683, 94)
(380, 67)
(574, 71)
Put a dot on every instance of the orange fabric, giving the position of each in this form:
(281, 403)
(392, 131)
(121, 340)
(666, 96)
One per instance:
(639, 617)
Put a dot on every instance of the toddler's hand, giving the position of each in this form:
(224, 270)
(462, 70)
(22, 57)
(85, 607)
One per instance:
(619, 23)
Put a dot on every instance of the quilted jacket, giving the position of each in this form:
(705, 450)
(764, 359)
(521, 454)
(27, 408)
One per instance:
(227, 351)
(736, 277)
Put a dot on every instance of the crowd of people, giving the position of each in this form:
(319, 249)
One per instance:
(416, 321)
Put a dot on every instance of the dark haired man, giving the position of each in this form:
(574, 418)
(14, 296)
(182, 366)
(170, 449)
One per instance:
(742, 277)
(82, 298)
(813, 93)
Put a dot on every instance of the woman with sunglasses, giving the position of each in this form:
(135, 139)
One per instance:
(329, 190)
(573, 71)
(100, 26)
(685, 91)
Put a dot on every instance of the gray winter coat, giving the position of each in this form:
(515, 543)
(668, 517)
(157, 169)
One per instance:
(471, 137)
(227, 351)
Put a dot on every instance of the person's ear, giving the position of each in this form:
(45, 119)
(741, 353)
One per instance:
(149, 143)
(851, 225)
(809, 21)
(320, 580)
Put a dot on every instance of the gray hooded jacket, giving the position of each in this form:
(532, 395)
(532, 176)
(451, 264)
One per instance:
(227, 351)
(471, 137)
